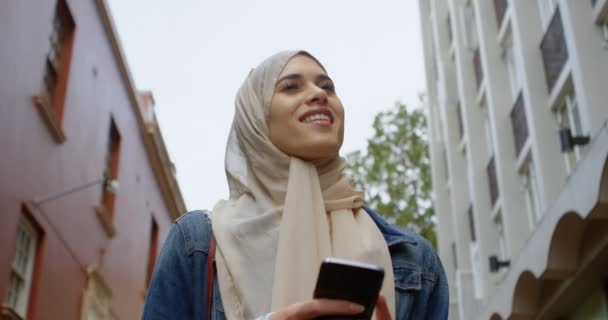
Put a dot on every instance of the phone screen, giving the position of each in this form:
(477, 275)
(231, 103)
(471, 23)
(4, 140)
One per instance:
(350, 280)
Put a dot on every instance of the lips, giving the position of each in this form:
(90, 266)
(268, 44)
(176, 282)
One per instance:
(317, 115)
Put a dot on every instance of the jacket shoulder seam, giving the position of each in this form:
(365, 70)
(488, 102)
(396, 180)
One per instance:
(195, 227)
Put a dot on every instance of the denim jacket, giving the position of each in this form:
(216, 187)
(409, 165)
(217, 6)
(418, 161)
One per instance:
(179, 286)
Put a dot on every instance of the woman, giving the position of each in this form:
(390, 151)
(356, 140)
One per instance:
(290, 206)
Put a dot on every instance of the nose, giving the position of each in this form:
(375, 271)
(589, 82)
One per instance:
(318, 97)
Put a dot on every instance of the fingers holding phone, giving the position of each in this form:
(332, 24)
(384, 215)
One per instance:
(317, 308)
(352, 281)
(345, 290)
(327, 307)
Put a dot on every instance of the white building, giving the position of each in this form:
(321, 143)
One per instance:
(523, 225)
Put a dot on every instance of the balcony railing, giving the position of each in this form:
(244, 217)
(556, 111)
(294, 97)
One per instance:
(500, 8)
(519, 123)
(492, 183)
(554, 50)
(478, 68)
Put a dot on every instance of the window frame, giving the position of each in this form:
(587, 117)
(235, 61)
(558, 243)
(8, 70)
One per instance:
(503, 250)
(50, 101)
(487, 127)
(568, 115)
(454, 255)
(531, 189)
(22, 305)
(511, 62)
(472, 228)
(152, 250)
(96, 296)
(546, 9)
(470, 26)
(105, 209)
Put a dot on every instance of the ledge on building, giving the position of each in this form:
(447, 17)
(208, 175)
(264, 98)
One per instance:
(7, 313)
(105, 220)
(50, 118)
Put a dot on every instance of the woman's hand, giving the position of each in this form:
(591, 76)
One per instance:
(326, 307)
(317, 308)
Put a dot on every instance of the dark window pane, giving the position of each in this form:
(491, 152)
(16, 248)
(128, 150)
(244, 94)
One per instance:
(500, 8)
(471, 224)
(492, 183)
(519, 123)
(460, 123)
(478, 68)
(554, 50)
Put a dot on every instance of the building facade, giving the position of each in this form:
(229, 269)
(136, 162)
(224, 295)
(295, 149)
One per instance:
(518, 120)
(87, 189)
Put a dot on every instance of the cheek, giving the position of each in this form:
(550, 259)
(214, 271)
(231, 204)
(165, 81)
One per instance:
(278, 119)
(280, 124)
(340, 112)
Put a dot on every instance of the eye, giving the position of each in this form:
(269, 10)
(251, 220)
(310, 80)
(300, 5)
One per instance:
(327, 85)
(290, 86)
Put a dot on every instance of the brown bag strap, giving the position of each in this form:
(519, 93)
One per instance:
(210, 272)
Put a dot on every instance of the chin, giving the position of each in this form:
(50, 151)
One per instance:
(319, 151)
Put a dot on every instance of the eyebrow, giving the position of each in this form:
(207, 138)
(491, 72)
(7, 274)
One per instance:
(299, 76)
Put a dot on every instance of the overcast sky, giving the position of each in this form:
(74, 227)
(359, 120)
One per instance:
(194, 54)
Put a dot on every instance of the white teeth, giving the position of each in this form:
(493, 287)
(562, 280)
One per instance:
(315, 117)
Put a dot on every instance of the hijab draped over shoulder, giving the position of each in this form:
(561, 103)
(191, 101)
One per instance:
(284, 214)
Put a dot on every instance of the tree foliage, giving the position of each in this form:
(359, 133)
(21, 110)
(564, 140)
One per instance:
(395, 170)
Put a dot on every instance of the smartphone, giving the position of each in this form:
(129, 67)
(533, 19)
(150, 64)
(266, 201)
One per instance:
(352, 281)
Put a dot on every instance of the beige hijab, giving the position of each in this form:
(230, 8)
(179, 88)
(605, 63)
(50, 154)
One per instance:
(284, 214)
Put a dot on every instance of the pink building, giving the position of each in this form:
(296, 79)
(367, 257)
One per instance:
(87, 189)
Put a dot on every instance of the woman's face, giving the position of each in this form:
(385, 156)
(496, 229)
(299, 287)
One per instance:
(306, 117)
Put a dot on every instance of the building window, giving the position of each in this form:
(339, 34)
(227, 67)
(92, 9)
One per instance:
(500, 232)
(500, 9)
(97, 295)
(152, 251)
(532, 192)
(554, 50)
(472, 232)
(519, 123)
(477, 67)
(568, 116)
(22, 269)
(108, 195)
(487, 129)
(459, 119)
(510, 61)
(470, 26)
(56, 69)
(492, 182)
(546, 8)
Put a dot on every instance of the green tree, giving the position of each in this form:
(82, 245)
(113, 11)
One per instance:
(395, 170)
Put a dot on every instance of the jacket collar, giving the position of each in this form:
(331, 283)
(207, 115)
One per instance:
(392, 234)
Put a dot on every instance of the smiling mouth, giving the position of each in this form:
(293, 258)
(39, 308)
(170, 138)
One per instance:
(324, 117)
